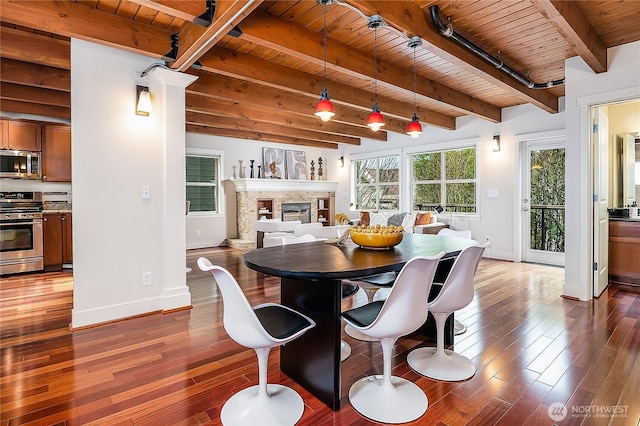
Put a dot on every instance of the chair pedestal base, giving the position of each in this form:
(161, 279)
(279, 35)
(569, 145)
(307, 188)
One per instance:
(448, 366)
(358, 335)
(345, 350)
(402, 402)
(459, 327)
(283, 406)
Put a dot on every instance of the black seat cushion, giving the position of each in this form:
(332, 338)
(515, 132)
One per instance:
(281, 322)
(364, 315)
(348, 290)
(382, 280)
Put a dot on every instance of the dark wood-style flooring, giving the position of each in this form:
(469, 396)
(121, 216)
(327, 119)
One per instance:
(531, 347)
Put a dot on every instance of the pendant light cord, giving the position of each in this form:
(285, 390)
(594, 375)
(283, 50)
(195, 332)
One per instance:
(415, 108)
(375, 65)
(325, 46)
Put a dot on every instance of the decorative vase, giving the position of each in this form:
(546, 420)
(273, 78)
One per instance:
(320, 174)
(234, 172)
(241, 169)
(251, 168)
(259, 167)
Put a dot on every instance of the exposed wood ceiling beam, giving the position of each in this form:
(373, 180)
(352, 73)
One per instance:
(569, 20)
(257, 136)
(207, 105)
(195, 40)
(30, 74)
(36, 95)
(29, 47)
(267, 30)
(35, 109)
(246, 67)
(73, 19)
(187, 10)
(263, 127)
(412, 20)
(248, 93)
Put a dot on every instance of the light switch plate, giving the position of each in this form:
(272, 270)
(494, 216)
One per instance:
(146, 192)
(492, 193)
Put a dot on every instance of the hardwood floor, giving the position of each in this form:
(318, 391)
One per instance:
(531, 348)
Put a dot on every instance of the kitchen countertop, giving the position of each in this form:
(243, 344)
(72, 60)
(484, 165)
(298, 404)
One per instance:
(56, 211)
(624, 219)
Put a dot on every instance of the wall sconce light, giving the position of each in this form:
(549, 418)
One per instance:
(495, 144)
(143, 101)
(352, 207)
(341, 162)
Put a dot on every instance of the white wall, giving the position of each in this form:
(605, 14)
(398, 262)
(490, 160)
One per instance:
(583, 89)
(117, 234)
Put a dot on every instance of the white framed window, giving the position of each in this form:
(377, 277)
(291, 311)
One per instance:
(377, 183)
(447, 178)
(202, 169)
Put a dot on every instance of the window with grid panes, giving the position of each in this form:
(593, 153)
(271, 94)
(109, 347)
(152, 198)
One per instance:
(202, 180)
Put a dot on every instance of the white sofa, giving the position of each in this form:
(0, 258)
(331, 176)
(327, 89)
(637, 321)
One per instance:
(319, 231)
(408, 221)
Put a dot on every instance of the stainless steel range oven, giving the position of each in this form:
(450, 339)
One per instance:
(21, 241)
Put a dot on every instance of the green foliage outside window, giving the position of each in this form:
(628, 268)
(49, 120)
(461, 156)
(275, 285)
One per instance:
(547, 200)
(457, 191)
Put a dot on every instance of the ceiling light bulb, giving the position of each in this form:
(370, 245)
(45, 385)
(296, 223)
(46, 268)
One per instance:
(375, 121)
(324, 107)
(414, 129)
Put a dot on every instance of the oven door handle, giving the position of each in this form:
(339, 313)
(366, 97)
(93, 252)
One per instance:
(33, 222)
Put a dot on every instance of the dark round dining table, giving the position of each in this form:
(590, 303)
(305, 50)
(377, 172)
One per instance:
(310, 282)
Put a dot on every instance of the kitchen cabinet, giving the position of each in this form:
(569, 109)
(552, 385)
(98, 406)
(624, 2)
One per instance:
(56, 153)
(58, 244)
(21, 135)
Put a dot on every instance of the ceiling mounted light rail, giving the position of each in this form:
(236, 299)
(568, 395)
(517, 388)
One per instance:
(375, 121)
(414, 129)
(447, 31)
(324, 107)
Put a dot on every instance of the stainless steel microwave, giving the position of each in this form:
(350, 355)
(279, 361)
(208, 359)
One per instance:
(20, 164)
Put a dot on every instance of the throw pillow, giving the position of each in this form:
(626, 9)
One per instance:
(396, 219)
(423, 218)
(364, 218)
(377, 219)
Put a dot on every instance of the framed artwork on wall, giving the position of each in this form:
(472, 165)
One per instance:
(296, 165)
(273, 163)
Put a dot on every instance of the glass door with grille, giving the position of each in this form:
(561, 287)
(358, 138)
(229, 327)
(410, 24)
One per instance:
(542, 207)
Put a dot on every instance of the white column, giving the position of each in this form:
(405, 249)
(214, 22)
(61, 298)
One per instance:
(168, 91)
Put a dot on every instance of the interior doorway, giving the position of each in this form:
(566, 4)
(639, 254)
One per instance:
(614, 182)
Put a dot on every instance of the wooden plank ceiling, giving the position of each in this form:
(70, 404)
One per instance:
(263, 82)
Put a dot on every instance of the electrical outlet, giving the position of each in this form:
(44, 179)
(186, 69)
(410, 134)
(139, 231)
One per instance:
(488, 239)
(197, 232)
(146, 279)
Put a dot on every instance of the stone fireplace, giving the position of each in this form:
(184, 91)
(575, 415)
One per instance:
(281, 191)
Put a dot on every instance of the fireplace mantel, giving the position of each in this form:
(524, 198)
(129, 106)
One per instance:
(242, 185)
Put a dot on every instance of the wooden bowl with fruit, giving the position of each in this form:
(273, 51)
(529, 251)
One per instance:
(376, 237)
